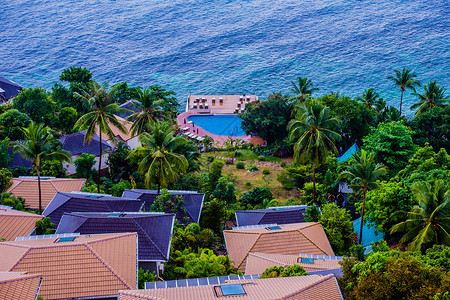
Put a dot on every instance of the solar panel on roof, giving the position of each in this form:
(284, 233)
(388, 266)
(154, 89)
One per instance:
(171, 283)
(181, 283)
(203, 281)
(66, 239)
(213, 280)
(160, 284)
(223, 279)
(233, 277)
(150, 285)
(232, 290)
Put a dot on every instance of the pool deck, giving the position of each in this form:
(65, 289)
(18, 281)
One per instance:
(228, 105)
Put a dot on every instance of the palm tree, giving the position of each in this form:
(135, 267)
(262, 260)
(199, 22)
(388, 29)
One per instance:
(149, 106)
(313, 130)
(404, 80)
(390, 114)
(433, 95)
(428, 222)
(40, 145)
(362, 174)
(159, 161)
(372, 100)
(101, 116)
(303, 89)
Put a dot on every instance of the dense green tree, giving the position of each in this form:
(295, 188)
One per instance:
(5, 158)
(392, 145)
(76, 74)
(149, 108)
(267, 119)
(338, 226)
(214, 174)
(160, 163)
(214, 213)
(193, 237)
(404, 80)
(362, 173)
(119, 166)
(355, 117)
(256, 196)
(433, 127)
(208, 143)
(433, 95)
(11, 122)
(51, 168)
(224, 191)
(100, 118)
(36, 104)
(168, 203)
(17, 203)
(5, 179)
(84, 165)
(192, 154)
(280, 271)
(313, 131)
(437, 256)
(428, 222)
(63, 97)
(303, 88)
(311, 214)
(124, 93)
(390, 114)
(45, 226)
(387, 205)
(170, 103)
(372, 100)
(40, 145)
(67, 117)
(145, 276)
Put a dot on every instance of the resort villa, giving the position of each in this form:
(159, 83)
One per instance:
(216, 116)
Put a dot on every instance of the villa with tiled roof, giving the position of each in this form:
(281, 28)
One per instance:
(75, 266)
(154, 232)
(89, 202)
(19, 285)
(291, 239)
(14, 223)
(27, 188)
(313, 287)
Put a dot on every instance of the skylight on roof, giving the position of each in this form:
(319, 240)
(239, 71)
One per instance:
(66, 239)
(306, 260)
(94, 196)
(232, 290)
(273, 228)
(115, 214)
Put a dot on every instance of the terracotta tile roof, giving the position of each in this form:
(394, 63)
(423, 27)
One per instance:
(308, 238)
(300, 288)
(154, 229)
(19, 285)
(95, 265)
(123, 136)
(85, 202)
(258, 262)
(274, 215)
(27, 188)
(14, 223)
(193, 202)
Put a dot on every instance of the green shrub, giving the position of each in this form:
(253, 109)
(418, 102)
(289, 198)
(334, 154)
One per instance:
(289, 271)
(145, 276)
(256, 196)
(240, 165)
(266, 171)
(210, 159)
(283, 164)
(84, 165)
(45, 226)
(261, 158)
(286, 181)
(252, 168)
(237, 154)
(248, 184)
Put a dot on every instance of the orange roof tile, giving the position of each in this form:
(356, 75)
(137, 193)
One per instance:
(308, 238)
(301, 288)
(123, 136)
(27, 188)
(90, 265)
(19, 285)
(258, 262)
(14, 223)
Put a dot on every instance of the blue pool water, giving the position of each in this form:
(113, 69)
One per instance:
(228, 125)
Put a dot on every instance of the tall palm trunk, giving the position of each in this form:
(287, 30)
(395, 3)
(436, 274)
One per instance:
(362, 216)
(39, 189)
(314, 182)
(99, 161)
(401, 101)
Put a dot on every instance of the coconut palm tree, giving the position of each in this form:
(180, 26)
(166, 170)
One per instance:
(313, 130)
(428, 222)
(404, 80)
(372, 100)
(390, 114)
(100, 117)
(149, 109)
(40, 145)
(433, 95)
(362, 173)
(303, 88)
(160, 163)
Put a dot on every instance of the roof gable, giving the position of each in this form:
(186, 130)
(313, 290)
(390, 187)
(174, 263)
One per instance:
(10, 88)
(15, 223)
(74, 143)
(19, 285)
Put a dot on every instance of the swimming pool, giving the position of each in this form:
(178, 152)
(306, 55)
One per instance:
(227, 125)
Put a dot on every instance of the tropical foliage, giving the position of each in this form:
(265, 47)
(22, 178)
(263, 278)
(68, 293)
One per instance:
(279, 271)
(404, 80)
(303, 88)
(433, 95)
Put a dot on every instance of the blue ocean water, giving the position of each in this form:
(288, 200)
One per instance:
(228, 47)
(227, 125)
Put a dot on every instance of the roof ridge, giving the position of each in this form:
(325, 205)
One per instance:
(21, 258)
(150, 239)
(310, 239)
(246, 256)
(325, 278)
(267, 259)
(23, 277)
(109, 267)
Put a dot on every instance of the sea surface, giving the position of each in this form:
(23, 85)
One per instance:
(228, 47)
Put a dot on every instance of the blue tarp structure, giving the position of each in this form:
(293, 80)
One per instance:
(369, 234)
(349, 153)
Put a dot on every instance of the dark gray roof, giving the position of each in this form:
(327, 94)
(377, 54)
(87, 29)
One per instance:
(154, 229)
(10, 88)
(130, 105)
(18, 160)
(273, 215)
(85, 202)
(74, 143)
(193, 202)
